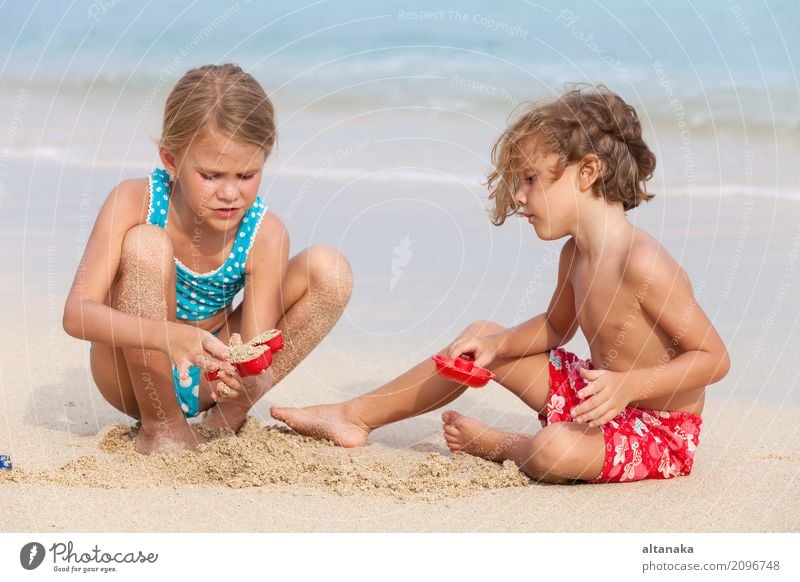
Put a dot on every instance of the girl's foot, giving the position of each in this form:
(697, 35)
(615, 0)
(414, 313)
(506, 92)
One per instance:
(323, 422)
(467, 435)
(169, 438)
(221, 417)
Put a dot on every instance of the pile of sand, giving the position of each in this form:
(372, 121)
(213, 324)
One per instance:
(261, 456)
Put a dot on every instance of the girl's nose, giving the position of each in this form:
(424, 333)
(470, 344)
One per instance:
(520, 198)
(229, 191)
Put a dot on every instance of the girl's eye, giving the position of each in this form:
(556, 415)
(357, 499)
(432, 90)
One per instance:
(531, 179)
(248, 177)
(207, 176)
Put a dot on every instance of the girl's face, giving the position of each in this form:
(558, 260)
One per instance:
(549, 204)
(218, 178)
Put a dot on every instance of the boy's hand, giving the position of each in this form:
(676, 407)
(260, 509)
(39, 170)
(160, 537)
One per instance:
(607, 395)
(483, 349)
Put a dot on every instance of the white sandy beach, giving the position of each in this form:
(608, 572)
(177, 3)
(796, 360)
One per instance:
(386, 121)
(746, 475)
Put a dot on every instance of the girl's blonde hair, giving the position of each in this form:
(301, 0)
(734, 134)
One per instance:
(222, 99)
(588, 119)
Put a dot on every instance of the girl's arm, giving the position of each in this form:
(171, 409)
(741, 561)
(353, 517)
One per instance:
(86, 316)
(265, 272)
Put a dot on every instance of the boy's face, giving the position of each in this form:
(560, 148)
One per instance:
(217, 173)
(549, 203)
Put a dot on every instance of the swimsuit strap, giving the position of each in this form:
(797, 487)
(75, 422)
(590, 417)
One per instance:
(158, 186)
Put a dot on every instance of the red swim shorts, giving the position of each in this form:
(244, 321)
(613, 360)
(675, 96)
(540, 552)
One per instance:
(640, 443)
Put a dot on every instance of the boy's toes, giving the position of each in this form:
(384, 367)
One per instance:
(450, 417)
(450, 430)
(453, 444)
(277, 413)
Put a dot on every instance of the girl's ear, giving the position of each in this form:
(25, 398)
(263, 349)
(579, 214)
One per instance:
(589, 171)
(169, 160)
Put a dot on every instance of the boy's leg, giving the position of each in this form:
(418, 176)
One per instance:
(314, 295)
(559, 453)
(146, 288)
(419, 390)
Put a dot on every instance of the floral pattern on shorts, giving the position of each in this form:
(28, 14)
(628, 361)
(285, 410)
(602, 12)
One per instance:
(640, 443)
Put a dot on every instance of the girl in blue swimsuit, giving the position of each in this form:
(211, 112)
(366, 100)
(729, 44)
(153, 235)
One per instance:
(168, 254)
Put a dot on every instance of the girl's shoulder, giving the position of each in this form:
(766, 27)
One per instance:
(130, 201)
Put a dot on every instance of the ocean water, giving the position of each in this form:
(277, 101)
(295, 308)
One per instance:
(715, 83)
(387, 113)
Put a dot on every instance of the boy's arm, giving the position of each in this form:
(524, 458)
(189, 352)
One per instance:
(669, 301)
(666, 297)
(551, 329)
(268, 261)
(86, 316)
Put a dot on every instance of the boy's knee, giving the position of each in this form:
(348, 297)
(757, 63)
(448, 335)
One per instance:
(147, 246)
(552, 449)
(481, 328)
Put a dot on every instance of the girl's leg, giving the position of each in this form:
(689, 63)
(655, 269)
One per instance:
(314, 295)
(559, 453)
(417, 391)
(145, 288)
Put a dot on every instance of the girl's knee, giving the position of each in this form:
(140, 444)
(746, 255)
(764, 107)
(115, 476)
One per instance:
(328, 268)
(147, 273)
(147, 245)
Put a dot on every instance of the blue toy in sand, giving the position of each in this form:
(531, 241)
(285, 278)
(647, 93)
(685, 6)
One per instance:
(5, 462)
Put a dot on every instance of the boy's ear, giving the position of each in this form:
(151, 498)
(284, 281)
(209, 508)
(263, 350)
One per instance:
(589, 171)
(169, 160)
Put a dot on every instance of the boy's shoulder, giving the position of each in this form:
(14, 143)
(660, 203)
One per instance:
(648, 261)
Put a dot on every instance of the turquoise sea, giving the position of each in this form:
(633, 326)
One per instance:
(387, 112)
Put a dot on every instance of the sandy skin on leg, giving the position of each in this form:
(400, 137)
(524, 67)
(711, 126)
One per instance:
(139, 381)
(315, 293)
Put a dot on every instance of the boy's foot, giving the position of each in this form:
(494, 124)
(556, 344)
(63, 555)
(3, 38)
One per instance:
(168, 438)
(323, 422)
(467, 435)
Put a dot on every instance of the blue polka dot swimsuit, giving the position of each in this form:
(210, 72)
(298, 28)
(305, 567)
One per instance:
(201, 295)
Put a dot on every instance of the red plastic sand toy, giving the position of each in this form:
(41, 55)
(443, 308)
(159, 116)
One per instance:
(462, 370)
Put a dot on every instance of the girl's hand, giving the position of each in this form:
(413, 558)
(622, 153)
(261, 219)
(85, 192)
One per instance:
(189, 345)
(482, 349)
(607, 394)
(233, 387)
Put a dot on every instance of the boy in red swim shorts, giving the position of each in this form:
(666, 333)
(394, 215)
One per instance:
(639, 443)
(573, 167)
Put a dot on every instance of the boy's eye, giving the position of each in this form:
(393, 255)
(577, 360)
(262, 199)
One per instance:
(246, 177)
(207, 176)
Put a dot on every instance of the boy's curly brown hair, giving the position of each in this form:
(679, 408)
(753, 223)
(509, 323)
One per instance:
(587, 119)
